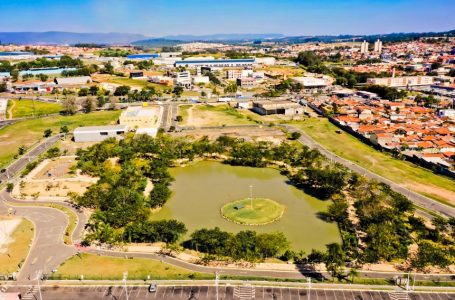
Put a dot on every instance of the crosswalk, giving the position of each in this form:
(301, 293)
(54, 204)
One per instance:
(399, 296)
(30, 293)
(244, 292)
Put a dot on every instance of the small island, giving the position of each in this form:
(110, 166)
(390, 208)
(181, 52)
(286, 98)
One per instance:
(253, 211)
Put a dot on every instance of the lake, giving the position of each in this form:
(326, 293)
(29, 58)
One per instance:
(200, 190)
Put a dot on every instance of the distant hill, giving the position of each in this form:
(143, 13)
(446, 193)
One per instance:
(157, 43)
(225, 37)
(390, 37)
(61, 37)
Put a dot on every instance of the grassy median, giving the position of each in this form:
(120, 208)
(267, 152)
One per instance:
(28, 132)
(28, 108)
(13, 256)
(105, 267)
(410, 175)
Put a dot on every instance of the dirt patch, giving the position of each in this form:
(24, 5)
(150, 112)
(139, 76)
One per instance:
(57, 169)
(432, 190)
(53, 179)
(268, 134)
(71, 147)
(49, 188)
(7, 228)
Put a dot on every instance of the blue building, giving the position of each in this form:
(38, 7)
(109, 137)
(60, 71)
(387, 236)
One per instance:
(216, 63)
(145, 56)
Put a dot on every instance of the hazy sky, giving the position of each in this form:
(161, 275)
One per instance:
(167, 17)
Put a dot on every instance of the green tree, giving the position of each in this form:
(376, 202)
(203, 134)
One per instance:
(88, 105)
(231, 88)
(64, 129)
(295, 135)
(69, 105)
(83, 92)
(47, 133)
(334, 259)
(353, 273)
(122, 90)
(21, 150)
(178, 91)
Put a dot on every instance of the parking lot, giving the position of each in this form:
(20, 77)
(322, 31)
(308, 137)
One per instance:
(224, 292)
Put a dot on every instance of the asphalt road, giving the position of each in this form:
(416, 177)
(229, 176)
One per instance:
(418, 199)
(48, 250)
(117, 292)
(13, 169)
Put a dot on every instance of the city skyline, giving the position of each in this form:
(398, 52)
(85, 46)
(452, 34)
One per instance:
(202, 17)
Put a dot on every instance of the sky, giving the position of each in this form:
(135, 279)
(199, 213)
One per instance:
(156, 18)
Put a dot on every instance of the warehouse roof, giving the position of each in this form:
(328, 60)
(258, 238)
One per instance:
(210, 61)
(73, 80)
(96, 129)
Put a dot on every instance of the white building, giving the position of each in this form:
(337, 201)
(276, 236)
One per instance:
(378, 46)
(310, 82)
(364, 47)
(402, 81)
(201, 79)
(81, 80)
(267, 61)
(98, 133)
(450, 113)
(216, 63)
(3, 107)
(183, 79)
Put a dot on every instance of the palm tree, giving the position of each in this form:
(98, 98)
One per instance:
(353, 272)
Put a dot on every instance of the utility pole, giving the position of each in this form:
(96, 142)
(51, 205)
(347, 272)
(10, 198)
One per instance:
(125, 277)
(217, 279)
(309, 287)
(251, 196)
(38, 278)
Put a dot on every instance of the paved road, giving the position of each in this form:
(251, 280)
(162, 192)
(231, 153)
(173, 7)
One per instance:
(418, 199)
(12, 170)
(225, 292)
(48, 250)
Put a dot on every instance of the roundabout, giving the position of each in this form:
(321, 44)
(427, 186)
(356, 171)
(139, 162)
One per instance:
(253, 211)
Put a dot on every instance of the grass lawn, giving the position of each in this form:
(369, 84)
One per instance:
(130, 82)
(105, 267)
(14, 257)
(260, 211)
(183, 111)
(406, 173)
(29, 132)
(26, 108)
(214, 115)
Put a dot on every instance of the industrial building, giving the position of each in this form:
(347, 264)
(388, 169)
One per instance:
(140, 117)
(81, 80)
(145, 56)
(282, 107)
(3, 107)
(310, 82)
(98, 133)
(216, 63)
(402, 81)
(246, 82)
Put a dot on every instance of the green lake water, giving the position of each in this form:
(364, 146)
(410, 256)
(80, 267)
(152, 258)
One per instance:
(200, 190)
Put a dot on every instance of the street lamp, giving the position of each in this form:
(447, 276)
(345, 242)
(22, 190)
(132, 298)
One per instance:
(38, 278)
(217, 279)
(251, 195)
(125, 277)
